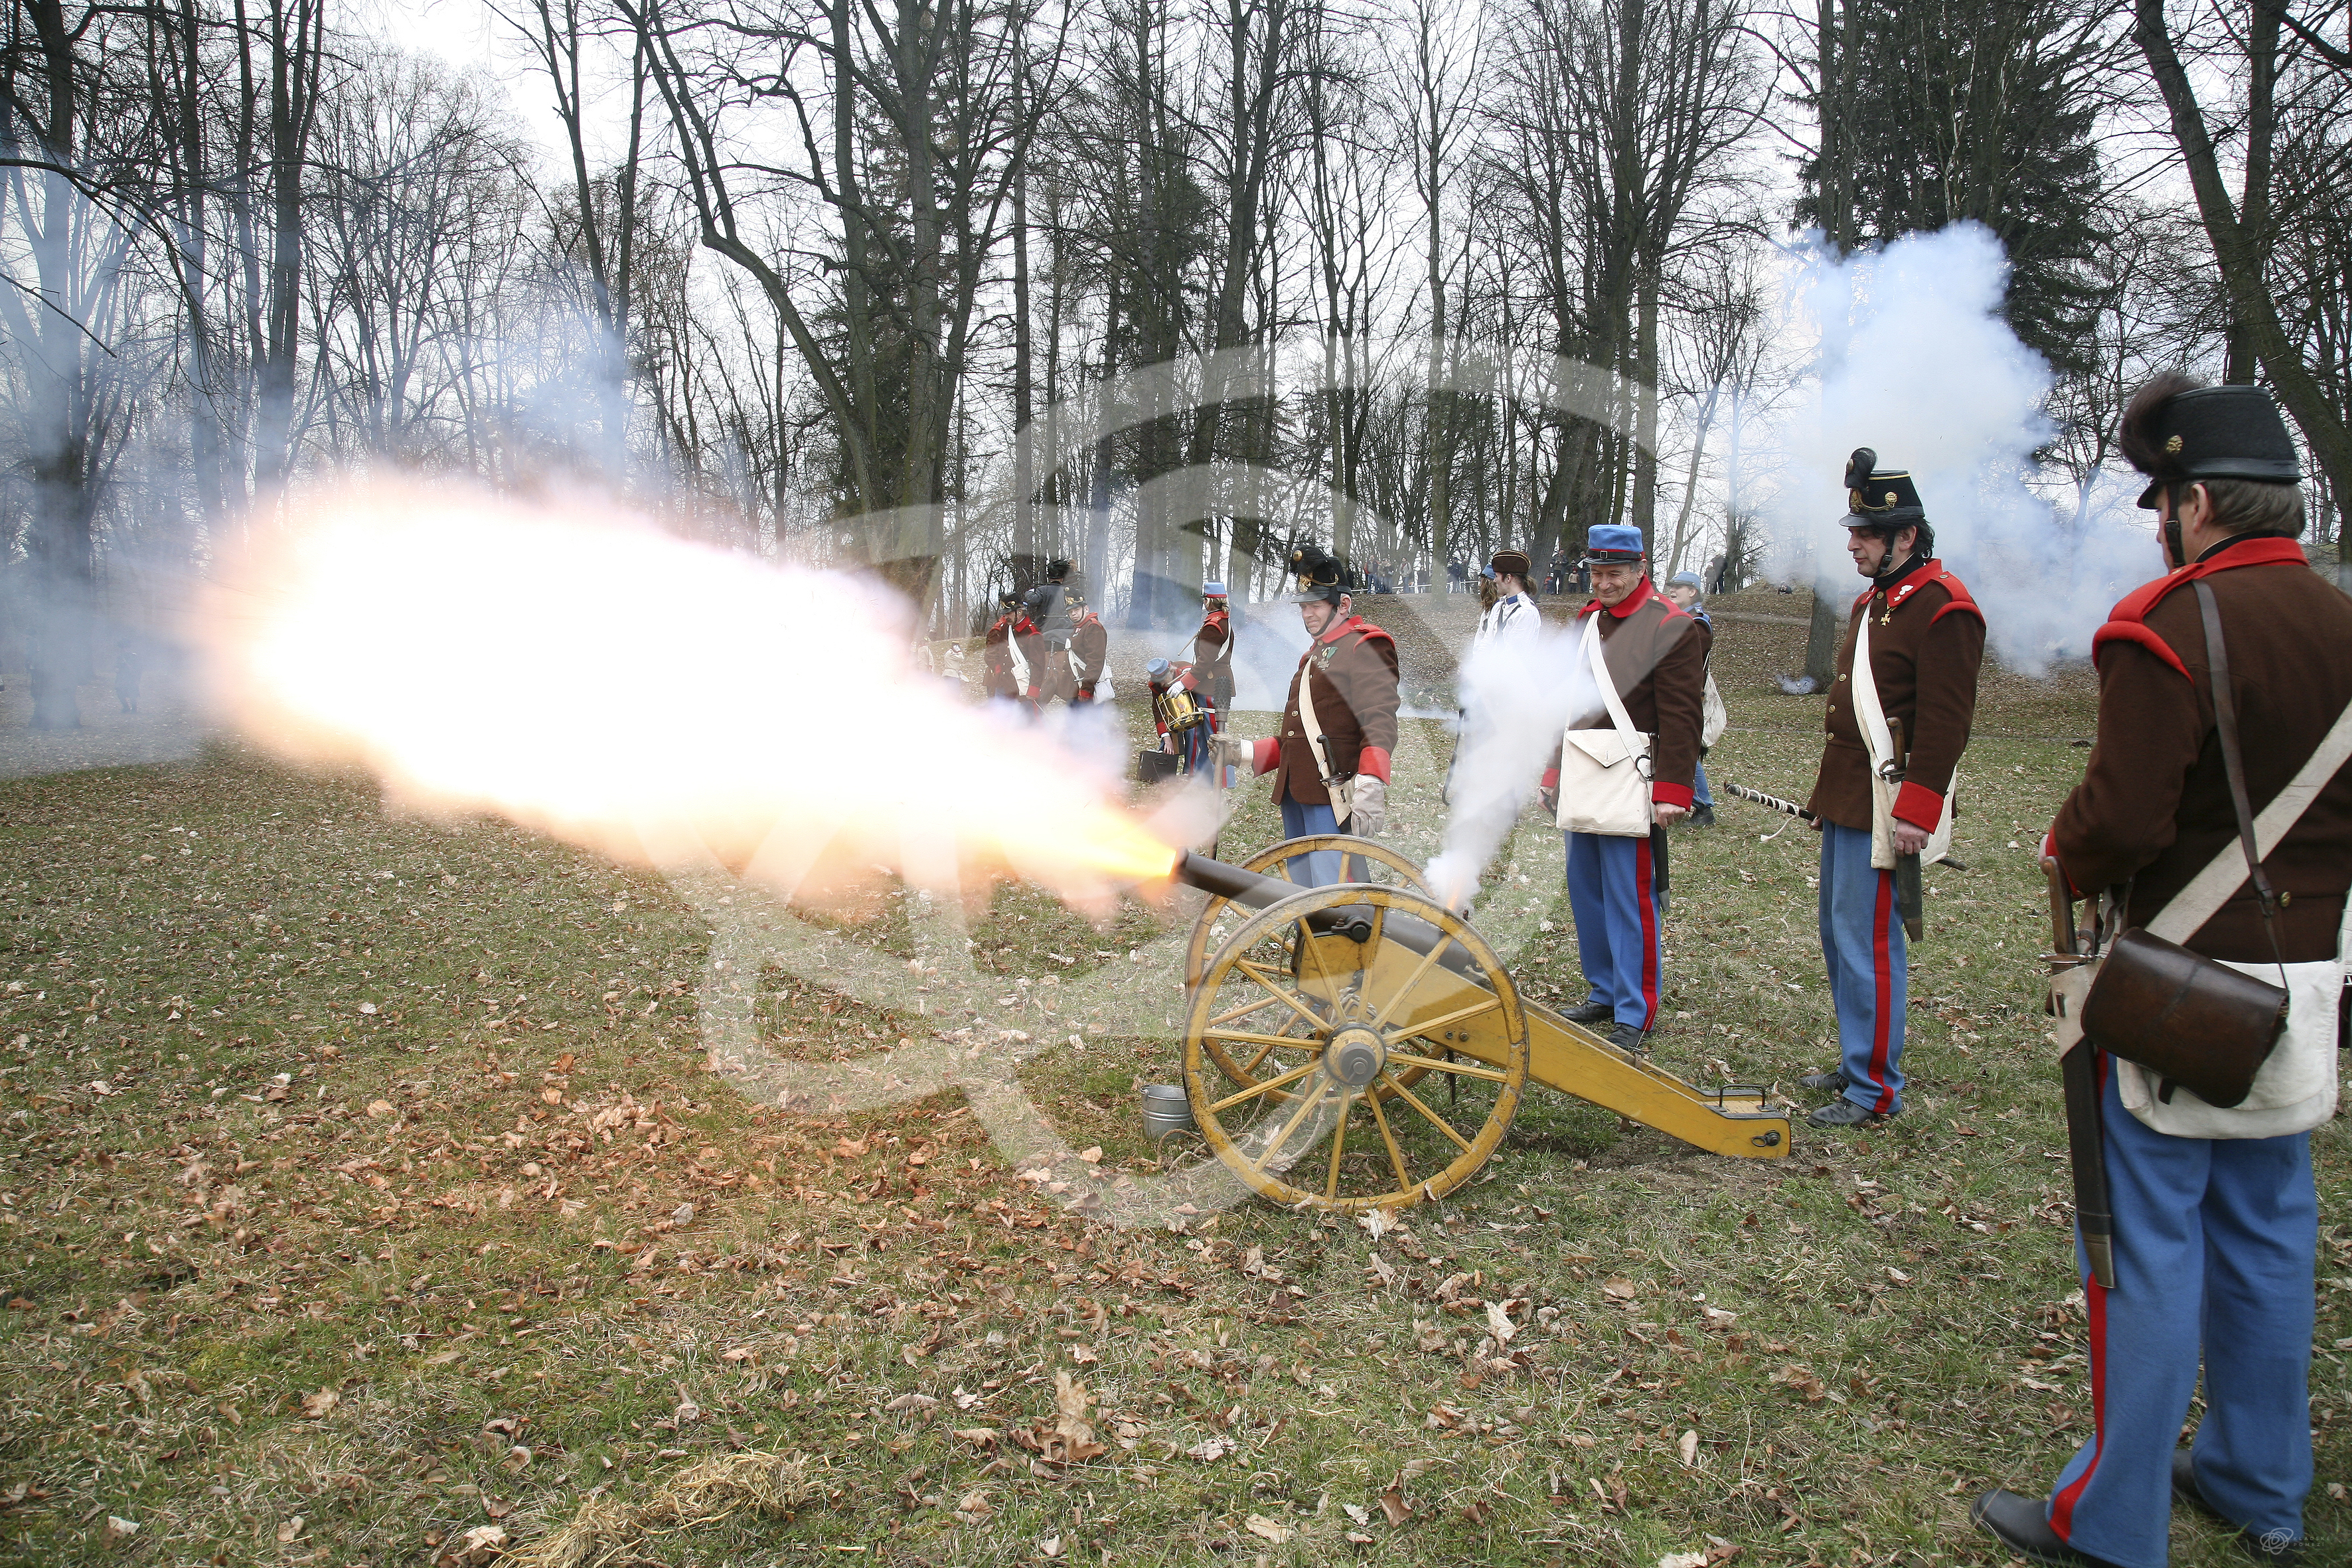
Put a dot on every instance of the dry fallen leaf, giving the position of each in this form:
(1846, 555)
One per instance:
(477, 1546)
(907, 1402)
(1393, 1505)
(317, 1405)
(1210, 1450)
(1498, 1322)
(1621, 1288)
(289, 1529)
(118, 1529)
(1688, 1449)
(1682, 1560)
(1269, 1529)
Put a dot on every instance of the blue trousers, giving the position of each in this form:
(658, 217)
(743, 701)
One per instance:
(2214, 1249)
(1616, 892)
(1700, 793)
(1862, 943)
(1321, 868)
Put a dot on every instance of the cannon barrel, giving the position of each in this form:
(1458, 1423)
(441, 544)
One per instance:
(1354, 921)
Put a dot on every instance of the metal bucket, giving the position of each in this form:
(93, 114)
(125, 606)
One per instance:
(1165, 1110)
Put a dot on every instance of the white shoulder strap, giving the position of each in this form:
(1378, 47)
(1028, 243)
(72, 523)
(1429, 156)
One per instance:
(1871, 716)
(2207, 891)
(1307, 719)
(1608, 683)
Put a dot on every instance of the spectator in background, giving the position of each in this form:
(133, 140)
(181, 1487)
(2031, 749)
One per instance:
(1682, 588)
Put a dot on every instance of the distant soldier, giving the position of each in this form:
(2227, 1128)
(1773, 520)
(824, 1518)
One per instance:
(1509, 620)
(1683, 589)
(999, 678)
(1213, 652)
(1330, 758)
(1089, 646)
(127, 665)
(1180, 715)
(1655, 659)
(1927, 638)
(1512, 619)
(2216, 1216)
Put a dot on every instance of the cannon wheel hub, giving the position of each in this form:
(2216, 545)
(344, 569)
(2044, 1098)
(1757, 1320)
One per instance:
(1356, 1055)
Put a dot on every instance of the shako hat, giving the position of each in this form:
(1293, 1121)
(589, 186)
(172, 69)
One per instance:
(1613, 544)
(1879, 498)
(1315, 572)
(1007, 599)
(1512, 564)
(1056, 570)
(2176, 430)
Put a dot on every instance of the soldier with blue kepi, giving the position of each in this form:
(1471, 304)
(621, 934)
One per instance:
(1653, 658)
(2215, 813)
(1898, 719)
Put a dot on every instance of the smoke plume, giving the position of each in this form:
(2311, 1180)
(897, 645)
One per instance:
(1911, 357)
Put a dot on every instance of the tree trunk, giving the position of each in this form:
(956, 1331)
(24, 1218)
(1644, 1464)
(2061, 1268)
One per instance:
(2240, 258)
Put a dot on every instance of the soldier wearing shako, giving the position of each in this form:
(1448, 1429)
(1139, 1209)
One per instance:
(2215, 1215)
(1330, 758)
(1655, 657)
(1089, 646)
(1213, 652)
(1897, 724)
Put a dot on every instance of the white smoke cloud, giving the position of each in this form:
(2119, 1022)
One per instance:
(1518, 699)
(1910, 357)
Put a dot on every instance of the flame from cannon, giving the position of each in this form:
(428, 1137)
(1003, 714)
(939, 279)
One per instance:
(584, 674)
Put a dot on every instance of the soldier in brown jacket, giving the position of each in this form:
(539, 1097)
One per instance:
(2214, 1237)
(1350, 675)
(1212, 651)
(1927, 639)
(1089, 646)
(1656, 659)
(998, 679)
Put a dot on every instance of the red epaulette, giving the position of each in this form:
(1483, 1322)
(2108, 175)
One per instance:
(1961, 599)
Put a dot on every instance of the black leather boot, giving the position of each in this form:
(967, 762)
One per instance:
(2021, 1524)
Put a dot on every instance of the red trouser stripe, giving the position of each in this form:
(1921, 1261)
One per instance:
(1883, 978)
(2062, 1506)
(1645, 894)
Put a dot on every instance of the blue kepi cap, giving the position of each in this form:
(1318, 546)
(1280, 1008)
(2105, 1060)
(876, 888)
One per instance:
(1213, 590)
(1613, 544)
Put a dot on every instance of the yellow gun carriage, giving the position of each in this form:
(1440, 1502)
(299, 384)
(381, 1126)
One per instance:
(1358, 1046)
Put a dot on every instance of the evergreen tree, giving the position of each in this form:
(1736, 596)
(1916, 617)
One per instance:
(1934, 112)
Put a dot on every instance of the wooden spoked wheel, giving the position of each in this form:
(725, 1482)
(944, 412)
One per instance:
(1368, 860)
(1328, 1036)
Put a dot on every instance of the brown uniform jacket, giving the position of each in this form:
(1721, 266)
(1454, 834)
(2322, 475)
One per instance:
(1213, 656)
(1927, 641)
(1354, 667)
(1089, 648)
(1656, 656)
(999, 681)
(2154, 804)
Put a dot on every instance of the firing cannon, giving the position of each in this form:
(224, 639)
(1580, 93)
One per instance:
(1325, 1020)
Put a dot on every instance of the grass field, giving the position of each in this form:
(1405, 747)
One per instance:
(374, 1190)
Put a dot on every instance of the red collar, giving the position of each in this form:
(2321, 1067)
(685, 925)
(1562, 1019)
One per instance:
(1910, 583)
(1642, 595)
(2254, 552)
(1335, 632)
(2127, 622)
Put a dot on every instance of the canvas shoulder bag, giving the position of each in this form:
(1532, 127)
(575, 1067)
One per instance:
(1342, 791)
(2204, 1048)
(1605, 775)
(1886, 780)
